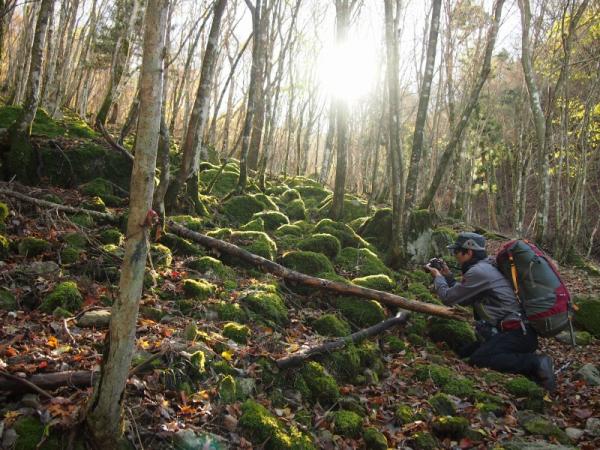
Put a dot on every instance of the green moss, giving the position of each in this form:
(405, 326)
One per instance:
(241, 208)
(395, 344)
(345, 234)
(422, 293)
(161, 256)
(449, 426)
(223, 367)
(345, 364)
(228, 389)
(538, 425)
(8, 302)
(236, 332)
(264, 429)
(83, 220)
(289, 196)
(99, 187)
(361, 262)
(272, 219)
(441, 238)
(65, 295)
(198, 289)
(357, 223)
(255, 242)
(254, 225)
(179, 245)
(442, 405)
(198, 360)
(347, 423)
(210, 266)
(220, 233)
(4, 246)
(230, 311)
(111, 236)
(31, 246)
(309, 263)
(422, 440)
(288, 230)
(318, 385)
(354, 208)
(193, 223)
(453, 332)
(266, 201)
(417, 324)
(113, 250)
(313, 194)
(61, 313)
(404, 414)
(225, 183)
(4, 211)
(331, 325)
(459, 387)
(268, 305)
(360, 311)
(295, 209)
(31, 432)
(70, 255)
(95, 204)
(378, 282)
(321, 243)
(440, 375)
(419, 221)
(587, 315)
(521, 386)
(78, 240)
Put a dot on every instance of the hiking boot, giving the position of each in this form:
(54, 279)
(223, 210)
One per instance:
(545, 373)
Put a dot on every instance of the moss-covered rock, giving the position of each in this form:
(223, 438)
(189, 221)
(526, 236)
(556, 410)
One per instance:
(191, 222)
(228, 389)
(211, 267)
(359, 311)
(441, 238)
(241, 208)
(360, 262)
(331, 325)
(179, 245)
(316, 385)
(236, 332)
(309, 263)
(453, 332)
(267, 202)
(440, 375)
(539, 425)
(419, 221)
(4, 247)
(378, 229)
(8, 302)
(111, 236)
(459, 387)
(230, 311)
(357, 223)
(289, 230)
(289, 195)
(422, 293)
(442, 405)
(272, 219)
(345, 234)
(312, 194)
(587, 315)
(524, 388)
(295, 209)
(224, 182)
(321, 243)
(254, 225)
(32, 246)
(263, 428)
(354, 208)
(75, 239)
(94, 204)
(220, 233)
(66, 295)
(255, 242)
(4, 212)
(404, 414)
(450, 426)
(347, 423)
(422, 440)
(161, 256)
(266, 304)
(198, 289)
(70, 255)
(378, 282)
(395, 344)
(345, 364)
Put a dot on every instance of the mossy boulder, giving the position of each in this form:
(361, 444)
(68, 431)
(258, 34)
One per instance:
(357, 223)
(360, 262)
(198, 289)
(453, 332)
(75, 239)
(347, 423)
(440, 375)
(264, 429)
(395, 344)
(241, 208)
(312, 195)
(70, 255)
(331, 325)
(404, 414)
(423, 440)
(220, 233)
(211, 267)
(179, 245)
(230, 311)
(442, 405)
(378, 229)
(111, 236)
(94, 204)
(65, 295)
(321, 243)
(289, 196)
(345, 234)
(8, 302)
(228, 391)
(266, 304)
(272, 219)
(359, 311)
(255, 242)
(532, 394)
(539, 425)
(459, 387)
(316, 385)
(83, 220)
(226, 181)
(4, 247)
(422, 293)
(236, 332)
(378, 282)
(345, 363)
(254, 225)
(32, 246)
(309, 263)
(450, 426)
(4, 212)
(161, 256)
(419, 221)
(267, 202)
(354, 208)
(289, 230)
(295, 209)
(587, 315)
(191, 222)
(441, 238)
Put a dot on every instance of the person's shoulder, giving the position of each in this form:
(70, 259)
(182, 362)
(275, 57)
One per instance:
(483, 268)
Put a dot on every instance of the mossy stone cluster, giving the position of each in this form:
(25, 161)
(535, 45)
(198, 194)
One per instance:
(271, 219)
(65, 295)
(296, 209)
(240, 209)
(316, 385)
(587, 315)
(265, 303)
(321, 243)
(32, 246)
(345, 234)
(224, 182)
(347, 423)
(359, 311)
(263, 428)
(309, 263)
(379, 282)
(360, 262)
(236, 332)
(331, 325)
(198, 289)
(161, 256)
(353, 208)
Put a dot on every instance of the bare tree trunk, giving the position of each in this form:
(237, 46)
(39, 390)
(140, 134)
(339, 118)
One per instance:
(193, 138)
(458, 130)
(104, 418)
(328, 151)
(19, 71)
(425, 92)
(20, 160)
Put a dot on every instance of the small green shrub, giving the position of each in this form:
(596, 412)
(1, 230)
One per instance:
(65, 295)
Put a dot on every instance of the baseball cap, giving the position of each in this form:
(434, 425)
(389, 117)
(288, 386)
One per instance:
(469, 241)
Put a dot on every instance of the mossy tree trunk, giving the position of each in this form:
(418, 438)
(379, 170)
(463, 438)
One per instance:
(20, 160)
(193, 138)
(104, 418)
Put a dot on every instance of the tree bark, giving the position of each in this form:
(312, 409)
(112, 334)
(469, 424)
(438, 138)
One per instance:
(458, 130)
(104, 418)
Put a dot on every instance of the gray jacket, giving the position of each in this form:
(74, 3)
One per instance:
(484, 287)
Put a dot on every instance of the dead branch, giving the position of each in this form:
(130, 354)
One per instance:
(336, 344)
(318, 283)
(109, 139)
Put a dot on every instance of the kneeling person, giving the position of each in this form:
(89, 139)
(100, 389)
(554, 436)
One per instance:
(505, 341)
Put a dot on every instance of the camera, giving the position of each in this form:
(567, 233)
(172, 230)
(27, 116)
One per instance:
(436, 263)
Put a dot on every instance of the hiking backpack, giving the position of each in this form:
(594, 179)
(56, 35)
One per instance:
(538, 287)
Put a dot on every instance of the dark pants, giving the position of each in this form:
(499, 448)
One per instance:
(509, 351)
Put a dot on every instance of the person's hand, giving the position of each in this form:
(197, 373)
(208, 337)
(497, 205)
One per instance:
(445, 270)
(433, 271)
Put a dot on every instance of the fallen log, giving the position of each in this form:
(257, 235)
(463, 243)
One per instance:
(318, 283)
(46, 204)
(336, 344)
(49, 381)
